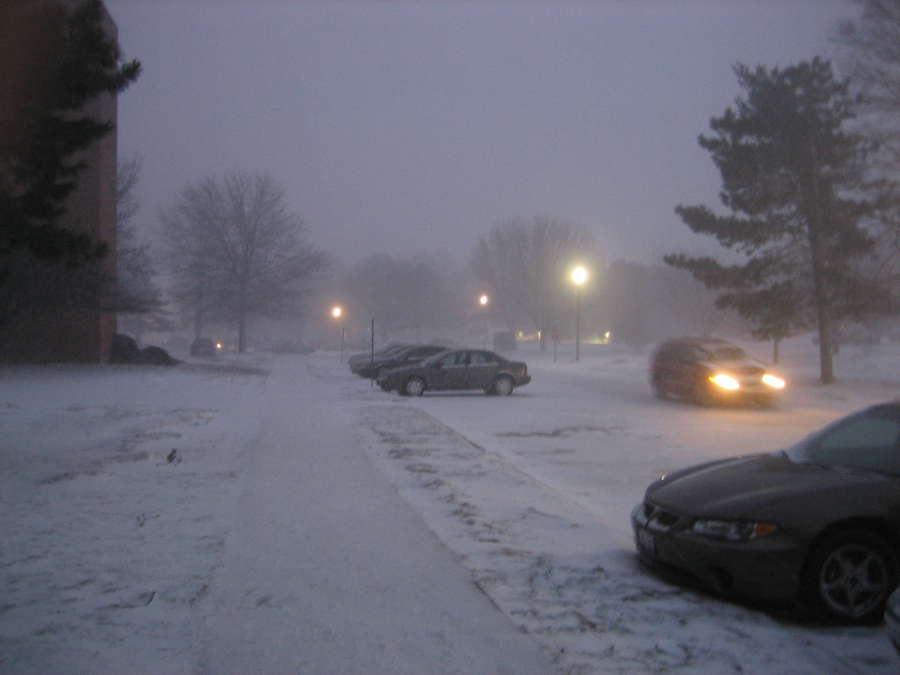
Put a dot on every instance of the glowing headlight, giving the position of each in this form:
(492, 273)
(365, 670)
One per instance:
(773, 381)
(218, 345)
(725, 381)
(732, 530)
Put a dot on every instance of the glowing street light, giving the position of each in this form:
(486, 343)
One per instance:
(578, 276)
(338, 312)
(483, 300)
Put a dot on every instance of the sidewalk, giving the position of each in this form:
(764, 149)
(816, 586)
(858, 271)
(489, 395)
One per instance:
(328, 570)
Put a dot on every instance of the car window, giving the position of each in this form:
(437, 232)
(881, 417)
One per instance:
(453, 359)
(482, 359)
(868, 441)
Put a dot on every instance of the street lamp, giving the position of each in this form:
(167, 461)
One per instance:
(579, 276)
(483, 300)
(338, 312)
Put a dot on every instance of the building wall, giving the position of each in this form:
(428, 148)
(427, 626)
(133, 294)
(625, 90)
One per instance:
(27, 32)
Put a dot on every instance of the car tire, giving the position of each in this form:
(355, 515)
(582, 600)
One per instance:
(850, 574)
(503, 386)
(415, 386)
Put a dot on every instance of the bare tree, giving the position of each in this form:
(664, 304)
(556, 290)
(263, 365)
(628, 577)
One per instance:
(235, 250)
(404, 296)
(871, 56)
(138, 298)
(525, 264)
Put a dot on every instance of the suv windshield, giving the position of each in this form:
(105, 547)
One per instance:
(869, 440)
(729, 353)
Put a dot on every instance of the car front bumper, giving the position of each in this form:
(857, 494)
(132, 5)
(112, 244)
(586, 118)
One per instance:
(762, 569)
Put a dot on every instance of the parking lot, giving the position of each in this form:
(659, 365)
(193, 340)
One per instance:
(551, 474)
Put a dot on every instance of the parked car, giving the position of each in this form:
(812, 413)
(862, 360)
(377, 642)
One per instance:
(203, 346)
(818, 522)
(363, 359)
(458, 369)
(406, 356)
(892, 618)
(712, 371)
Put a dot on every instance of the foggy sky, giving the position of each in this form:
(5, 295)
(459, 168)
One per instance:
(408, 127)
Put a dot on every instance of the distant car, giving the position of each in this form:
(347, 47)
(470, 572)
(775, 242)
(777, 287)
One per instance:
(818, 522)
(458, 369)
(406, 356)
(892, 618)
(363, 359)
(203, 347)
(710, 371)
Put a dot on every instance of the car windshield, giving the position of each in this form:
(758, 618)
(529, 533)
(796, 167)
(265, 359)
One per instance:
(868, 441)
(726, 353)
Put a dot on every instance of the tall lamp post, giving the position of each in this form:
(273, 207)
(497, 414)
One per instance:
(338, 312)
(483, 301)
(579, 276)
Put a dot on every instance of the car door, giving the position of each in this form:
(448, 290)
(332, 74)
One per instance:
(481, 370)
(446, 372)
(455, 370)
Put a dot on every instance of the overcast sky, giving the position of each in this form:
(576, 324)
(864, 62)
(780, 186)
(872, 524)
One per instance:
(408, 127)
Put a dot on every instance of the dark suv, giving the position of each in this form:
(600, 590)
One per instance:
(711, 371)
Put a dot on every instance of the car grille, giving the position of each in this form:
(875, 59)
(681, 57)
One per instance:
(656, 518)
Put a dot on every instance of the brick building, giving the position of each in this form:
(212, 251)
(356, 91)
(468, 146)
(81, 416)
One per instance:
(53, 331)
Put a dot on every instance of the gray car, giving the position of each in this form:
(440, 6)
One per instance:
(458, 370)
(818, 522)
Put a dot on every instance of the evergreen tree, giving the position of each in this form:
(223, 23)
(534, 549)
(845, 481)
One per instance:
(39, 168)
(793, 178)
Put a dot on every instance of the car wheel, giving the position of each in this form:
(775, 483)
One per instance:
(415, 386)
(503, 386)
(850, 575)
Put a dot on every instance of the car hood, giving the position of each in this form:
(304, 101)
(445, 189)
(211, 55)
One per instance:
(733, 488)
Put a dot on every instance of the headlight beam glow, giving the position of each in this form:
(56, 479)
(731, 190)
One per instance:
(725, 381)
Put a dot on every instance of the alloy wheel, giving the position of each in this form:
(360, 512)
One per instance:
(853, 580)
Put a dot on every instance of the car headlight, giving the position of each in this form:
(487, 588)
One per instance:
(773, 381)
(731, 530)
(725, 381)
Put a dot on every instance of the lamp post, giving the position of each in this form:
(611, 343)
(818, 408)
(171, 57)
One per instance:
(338, 312)
(483, 301)
(579, 276)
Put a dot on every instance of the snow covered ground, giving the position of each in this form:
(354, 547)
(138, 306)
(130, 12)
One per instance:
(126, 494)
